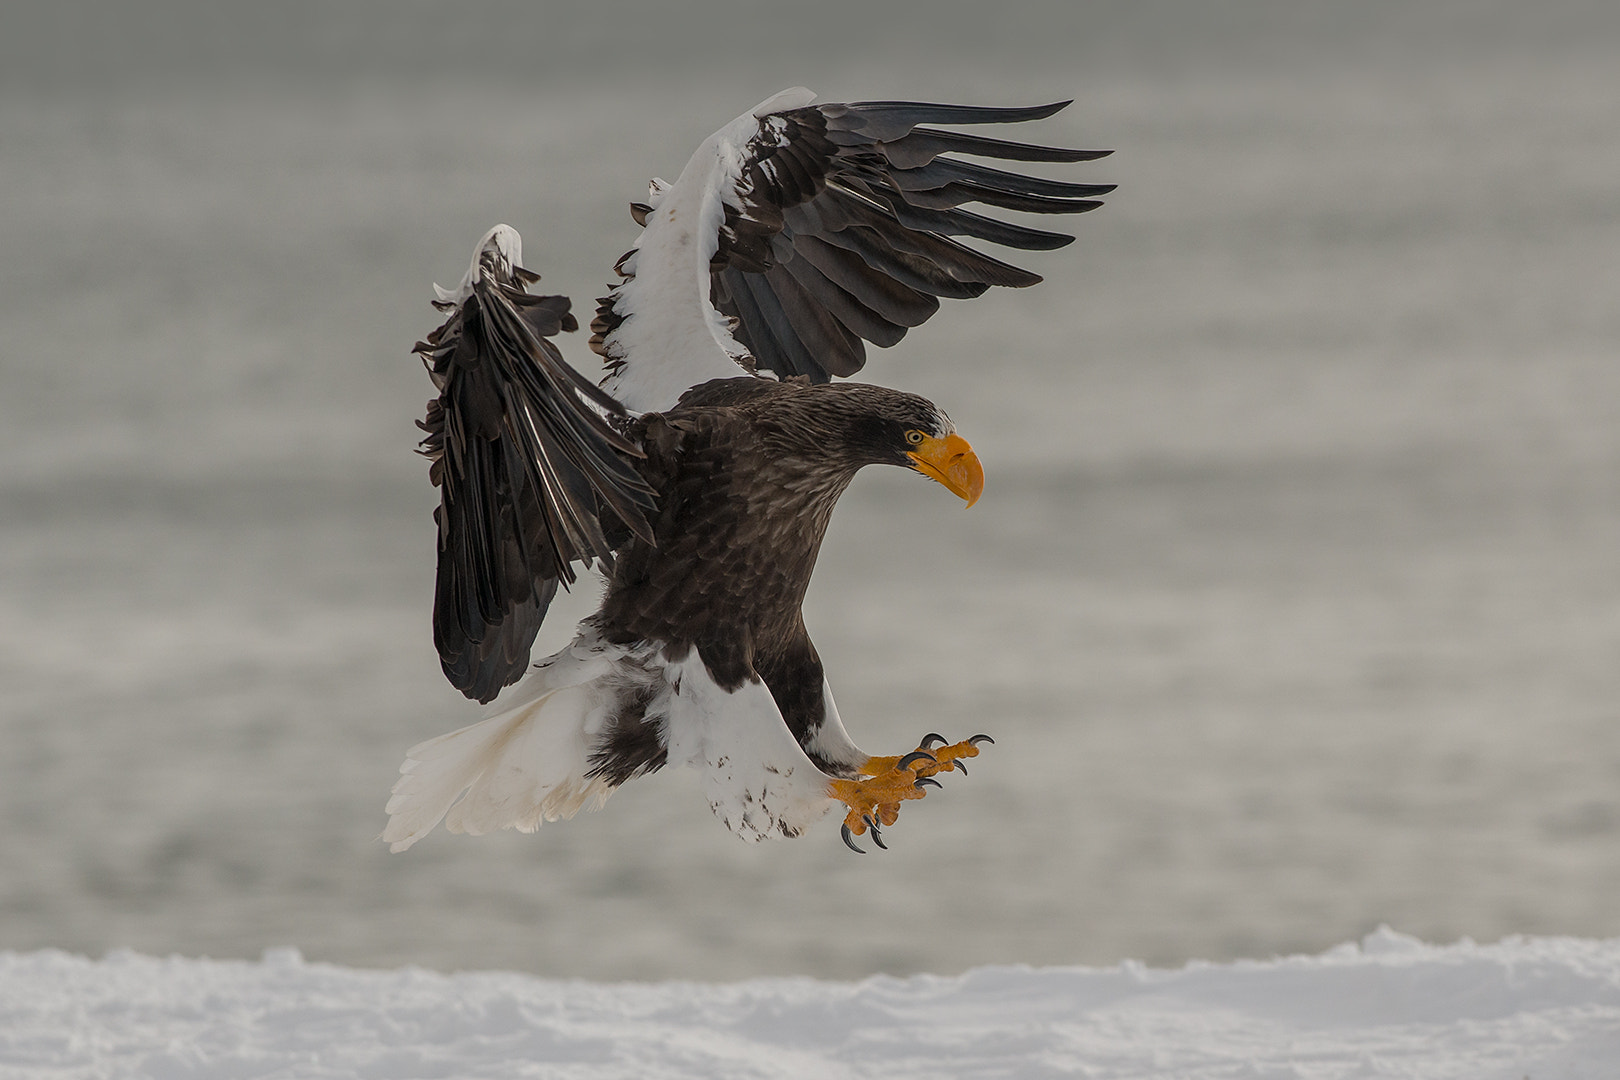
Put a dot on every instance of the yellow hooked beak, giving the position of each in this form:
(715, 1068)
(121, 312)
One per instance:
(952, 462)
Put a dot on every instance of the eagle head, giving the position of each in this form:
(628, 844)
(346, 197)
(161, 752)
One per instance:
(877, 425)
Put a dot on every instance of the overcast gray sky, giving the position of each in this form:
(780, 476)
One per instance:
(112, 43)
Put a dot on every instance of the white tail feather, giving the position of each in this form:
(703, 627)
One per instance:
(522, 766)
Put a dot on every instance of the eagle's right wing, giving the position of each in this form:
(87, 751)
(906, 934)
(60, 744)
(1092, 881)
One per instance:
(533, 474)
(799, 232)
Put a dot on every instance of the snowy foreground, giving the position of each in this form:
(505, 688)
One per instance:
(1543, 1008)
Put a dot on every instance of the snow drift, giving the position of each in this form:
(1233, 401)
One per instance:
(1545, 1008)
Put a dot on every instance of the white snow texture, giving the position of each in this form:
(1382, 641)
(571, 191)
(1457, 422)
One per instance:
(1543, 1008)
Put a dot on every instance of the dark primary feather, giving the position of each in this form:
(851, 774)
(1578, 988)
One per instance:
(888, 120)
(924, 144)
(848, 210)
(532, 475)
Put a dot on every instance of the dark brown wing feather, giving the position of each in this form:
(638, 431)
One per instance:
(532, 475)
(846, 219)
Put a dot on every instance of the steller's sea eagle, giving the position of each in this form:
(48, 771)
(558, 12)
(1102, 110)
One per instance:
(703, 471)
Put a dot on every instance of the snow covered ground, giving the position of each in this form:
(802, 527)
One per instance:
(1542, 1008)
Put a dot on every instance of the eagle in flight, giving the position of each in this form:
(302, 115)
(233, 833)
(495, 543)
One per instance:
(701, 474)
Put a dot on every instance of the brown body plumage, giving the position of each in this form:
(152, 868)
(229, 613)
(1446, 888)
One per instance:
(747, 472)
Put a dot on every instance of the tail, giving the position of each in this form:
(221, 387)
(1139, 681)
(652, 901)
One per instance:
(524, 765)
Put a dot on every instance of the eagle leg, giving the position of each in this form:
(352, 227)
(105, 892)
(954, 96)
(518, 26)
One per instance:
(874, 800)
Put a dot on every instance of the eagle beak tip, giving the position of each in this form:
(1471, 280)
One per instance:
(953, 463)
(973, 487)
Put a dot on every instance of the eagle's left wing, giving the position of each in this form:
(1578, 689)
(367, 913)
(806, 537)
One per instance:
(533, 477)
(799, 231)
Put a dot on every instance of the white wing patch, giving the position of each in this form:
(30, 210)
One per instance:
(672, 337)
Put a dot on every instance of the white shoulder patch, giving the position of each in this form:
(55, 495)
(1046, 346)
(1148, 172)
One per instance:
(796, 97)
(671, 338)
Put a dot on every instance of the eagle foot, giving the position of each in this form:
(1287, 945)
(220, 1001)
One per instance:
(874, 801)
(926, 760)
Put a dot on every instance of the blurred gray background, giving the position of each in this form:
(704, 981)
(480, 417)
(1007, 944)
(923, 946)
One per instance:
(1293, 601)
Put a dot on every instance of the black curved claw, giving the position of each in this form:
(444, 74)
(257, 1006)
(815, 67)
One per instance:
(960, 764)
(848, 839)
(926, 781)
(977, 739)
(913, 757)
(930, 739)
(877, 833)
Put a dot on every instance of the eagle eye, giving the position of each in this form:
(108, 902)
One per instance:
(914, 436)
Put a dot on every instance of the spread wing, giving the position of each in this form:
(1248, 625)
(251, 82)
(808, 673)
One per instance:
(798, 232)
(533, 476)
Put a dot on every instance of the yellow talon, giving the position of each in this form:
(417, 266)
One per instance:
(944, 756)
(884, 784)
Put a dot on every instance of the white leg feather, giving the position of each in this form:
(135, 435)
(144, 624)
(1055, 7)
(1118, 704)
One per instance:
(831, 741)
(758, 779)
